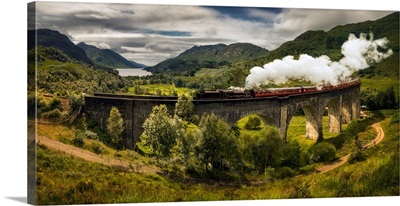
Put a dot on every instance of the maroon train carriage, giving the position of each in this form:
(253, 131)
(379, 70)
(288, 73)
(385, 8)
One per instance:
(276, 92)
(270, 92)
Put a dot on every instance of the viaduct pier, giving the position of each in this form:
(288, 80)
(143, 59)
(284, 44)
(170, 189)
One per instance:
(343, 105)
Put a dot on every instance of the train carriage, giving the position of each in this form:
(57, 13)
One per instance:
(270, 92)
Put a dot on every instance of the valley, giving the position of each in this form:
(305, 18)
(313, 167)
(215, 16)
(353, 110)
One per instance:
(341, 142)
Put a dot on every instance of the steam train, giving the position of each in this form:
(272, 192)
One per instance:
(270, 92)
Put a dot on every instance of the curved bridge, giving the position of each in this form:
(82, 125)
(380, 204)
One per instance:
(342, 104)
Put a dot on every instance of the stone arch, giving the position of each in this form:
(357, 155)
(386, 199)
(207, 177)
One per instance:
(267, 121)
(334, 116)
(346, 109)
(313, 123)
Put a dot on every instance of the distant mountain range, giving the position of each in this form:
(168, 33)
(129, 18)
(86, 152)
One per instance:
(209, 56)
(107, 57)
(52, 38)
(102, 58)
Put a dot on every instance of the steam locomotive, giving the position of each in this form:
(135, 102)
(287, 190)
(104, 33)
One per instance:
(270, 92)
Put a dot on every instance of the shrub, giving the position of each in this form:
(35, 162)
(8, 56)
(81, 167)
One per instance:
(356, 156)
(304, 158)
(91, 135)
(78, 139)
(323, 152)
(291, 155)
(352, 129)
(55, 103)
(307, 169)
(75, 101)
(284, 172)
(253, 123)
(395, 118)
(52, 114)
(97, 148)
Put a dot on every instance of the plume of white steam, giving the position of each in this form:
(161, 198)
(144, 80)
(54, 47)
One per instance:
(358, 53)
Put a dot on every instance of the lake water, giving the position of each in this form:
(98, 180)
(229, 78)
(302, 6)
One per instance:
(133, 72)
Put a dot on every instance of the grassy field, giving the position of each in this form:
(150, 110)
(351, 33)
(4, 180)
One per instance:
(381, 83)
(210, 72)
(66, 135)
(166, 89)
(242, 122)
(63, 179)
(296, 130)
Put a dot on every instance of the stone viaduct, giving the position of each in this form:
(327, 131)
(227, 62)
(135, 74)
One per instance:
(342, 105)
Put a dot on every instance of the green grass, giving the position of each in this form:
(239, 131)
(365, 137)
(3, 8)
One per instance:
(63, 179)
(204, 72)
(243, 131)
(166, 89)
(381, 83)
(66, 135)
(296, 130)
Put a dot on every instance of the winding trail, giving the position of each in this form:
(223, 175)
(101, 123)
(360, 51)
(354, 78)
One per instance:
(380, 135)
(90, 156)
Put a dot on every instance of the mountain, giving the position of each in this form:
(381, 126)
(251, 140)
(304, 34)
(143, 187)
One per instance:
(209, 56)
(107, 57)
(317, 43)
(52, 38)
(138, 65)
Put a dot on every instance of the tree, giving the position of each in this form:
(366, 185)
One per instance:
(375, 99)
(389, 99)
(267, 149)
(115, 126)
(217, 146)
(161, 131)
(323, 152)
(291, 154)
(184, 107)
(352, 129)
(137, 89)
(75, 101)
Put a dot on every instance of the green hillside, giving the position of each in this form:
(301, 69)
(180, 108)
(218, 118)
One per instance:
(57, 73)
(317, 43)
(107, 58)
(209, 56)
(52, 38)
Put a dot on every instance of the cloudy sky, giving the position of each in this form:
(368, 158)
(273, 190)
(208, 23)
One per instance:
(149, 34)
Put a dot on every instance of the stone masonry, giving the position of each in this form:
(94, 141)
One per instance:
(343, 105)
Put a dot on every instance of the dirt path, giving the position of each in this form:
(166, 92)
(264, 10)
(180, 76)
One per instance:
(90, 156)
(380, 135)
